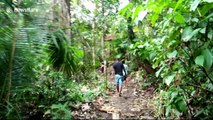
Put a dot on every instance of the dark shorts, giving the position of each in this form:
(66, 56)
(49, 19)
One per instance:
(124, 78)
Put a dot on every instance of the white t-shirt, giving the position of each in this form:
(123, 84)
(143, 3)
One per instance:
(126, 69)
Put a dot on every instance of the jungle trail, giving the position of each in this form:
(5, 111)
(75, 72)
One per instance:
(51, 52)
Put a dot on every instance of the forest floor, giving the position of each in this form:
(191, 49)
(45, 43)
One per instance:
(134, 104)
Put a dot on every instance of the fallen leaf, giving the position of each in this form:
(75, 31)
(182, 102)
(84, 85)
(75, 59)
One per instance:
(74, 113)
(85, 107)
(100, 101)
(84, 89)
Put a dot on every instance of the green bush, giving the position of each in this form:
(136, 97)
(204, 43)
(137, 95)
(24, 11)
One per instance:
(59, 111)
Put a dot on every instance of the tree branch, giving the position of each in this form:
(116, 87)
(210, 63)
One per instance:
(207, 75)
(206, 32)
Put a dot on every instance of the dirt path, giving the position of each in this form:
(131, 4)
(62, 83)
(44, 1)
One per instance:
(134, 104)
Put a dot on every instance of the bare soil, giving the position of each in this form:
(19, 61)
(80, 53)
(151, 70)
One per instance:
(134, 104)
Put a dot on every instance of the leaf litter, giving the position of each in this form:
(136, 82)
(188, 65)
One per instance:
(134, 104)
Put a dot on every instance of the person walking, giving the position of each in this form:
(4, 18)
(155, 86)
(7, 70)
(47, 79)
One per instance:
(118, 74)
(125, 71)
(102, 68)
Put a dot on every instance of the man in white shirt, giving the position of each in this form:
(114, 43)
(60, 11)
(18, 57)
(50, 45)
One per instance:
(126, 71)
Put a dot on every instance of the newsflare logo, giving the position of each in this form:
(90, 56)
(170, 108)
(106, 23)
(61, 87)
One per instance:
(22, 10)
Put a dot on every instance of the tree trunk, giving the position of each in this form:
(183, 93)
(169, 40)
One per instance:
(94, 44)
(103, 33)
(102, 45)
(61, 15)
(10, 68)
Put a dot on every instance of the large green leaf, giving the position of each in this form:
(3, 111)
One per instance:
(187, 30)
(194, 5)
(199, 60)
(154, 18)
(188, 33)
(174, 94)
(206, 8)
(159, 71)
(63, 57)
(208, 58)
(179, 18)
(178, 4)
(128, 14)
(168, 109)
(123, 10)
(182, 106)
(137, 10)
(169, 79)
(172, 54)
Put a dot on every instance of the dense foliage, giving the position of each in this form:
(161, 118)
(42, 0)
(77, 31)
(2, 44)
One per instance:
(42, 73)
(176, 38)
(49, 61)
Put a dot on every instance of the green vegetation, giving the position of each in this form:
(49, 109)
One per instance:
(176, 39)
(50, 54)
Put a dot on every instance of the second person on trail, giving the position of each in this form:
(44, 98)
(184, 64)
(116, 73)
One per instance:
(118, 71)
(125, 71)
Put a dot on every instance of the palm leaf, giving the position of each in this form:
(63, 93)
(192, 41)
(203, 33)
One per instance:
(61, 54)
(15, 60)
